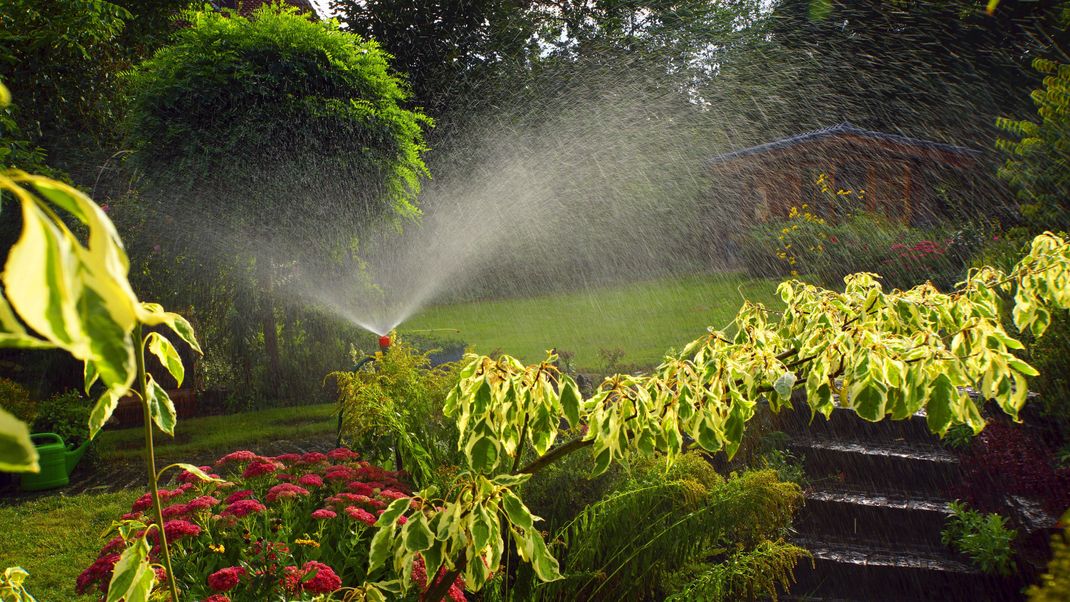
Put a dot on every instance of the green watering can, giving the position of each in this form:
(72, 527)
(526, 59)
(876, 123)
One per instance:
(56, 462)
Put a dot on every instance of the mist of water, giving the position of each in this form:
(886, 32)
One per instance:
(602, 174)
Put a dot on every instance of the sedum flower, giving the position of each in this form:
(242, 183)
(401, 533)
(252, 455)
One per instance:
(225, 579)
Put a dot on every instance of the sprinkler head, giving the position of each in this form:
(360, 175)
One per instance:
(384, 343)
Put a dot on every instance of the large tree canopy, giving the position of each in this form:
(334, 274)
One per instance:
(267, 142)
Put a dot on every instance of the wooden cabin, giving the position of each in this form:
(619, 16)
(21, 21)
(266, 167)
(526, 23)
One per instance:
(893, 174)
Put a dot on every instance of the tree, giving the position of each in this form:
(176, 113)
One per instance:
(445, 48)
(1038, 165)
(296, 137)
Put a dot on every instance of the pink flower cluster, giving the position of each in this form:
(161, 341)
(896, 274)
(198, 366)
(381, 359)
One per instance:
(314, 577)
(256, 525)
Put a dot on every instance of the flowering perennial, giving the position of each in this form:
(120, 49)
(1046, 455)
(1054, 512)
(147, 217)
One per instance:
(294, 527)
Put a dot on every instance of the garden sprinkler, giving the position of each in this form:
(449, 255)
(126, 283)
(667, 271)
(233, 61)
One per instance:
(384, 343)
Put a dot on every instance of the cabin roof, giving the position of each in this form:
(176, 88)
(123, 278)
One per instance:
(847, 130)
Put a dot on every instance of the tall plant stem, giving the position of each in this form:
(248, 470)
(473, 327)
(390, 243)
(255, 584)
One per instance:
(150, 459)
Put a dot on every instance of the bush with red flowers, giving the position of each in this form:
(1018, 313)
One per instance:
(288, 527)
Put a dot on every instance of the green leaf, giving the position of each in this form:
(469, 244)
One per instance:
(483, 454)
(416, 535)
(544, 563)
(516, 511)
(12, 334)
(195, 471)
(570, 401)
(167, 354)
(103, 410)
(510, 480)
(133, 577)
(5, 96)
(1024, 368)
(868, 402)
(393, 511)
(382, 547)
(481, 399)
(161, 408)
(938, 411)
(152, 314)
(481, 527)
(784, 384)
(733, 430)
(89, 376)
(17, 451)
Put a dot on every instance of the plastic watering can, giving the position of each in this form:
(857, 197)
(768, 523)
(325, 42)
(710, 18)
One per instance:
(57, 462)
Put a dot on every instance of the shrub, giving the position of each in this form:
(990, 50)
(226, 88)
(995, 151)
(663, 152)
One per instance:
(1006, 460)
(294, 526)
(1055, 582)
(16, 399)
(983, 537)
(861, 242)
(392, 409)
(632, 543)
(66, 414)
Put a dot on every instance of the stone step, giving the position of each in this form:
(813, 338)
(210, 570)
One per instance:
(845, 423)
(840, 512)
(887, 467)
(894, 573)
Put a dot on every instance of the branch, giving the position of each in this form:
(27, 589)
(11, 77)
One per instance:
(552, 455)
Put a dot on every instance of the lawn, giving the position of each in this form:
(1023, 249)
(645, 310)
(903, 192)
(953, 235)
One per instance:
(56, 537)
(640, 320)
(197, 437)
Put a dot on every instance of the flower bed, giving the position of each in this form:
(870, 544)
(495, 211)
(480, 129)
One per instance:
(291, 527)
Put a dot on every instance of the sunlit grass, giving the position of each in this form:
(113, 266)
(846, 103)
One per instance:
(643, 319)
(221, 434)
(54, 538)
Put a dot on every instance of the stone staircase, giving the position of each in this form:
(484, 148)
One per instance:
(874, 511)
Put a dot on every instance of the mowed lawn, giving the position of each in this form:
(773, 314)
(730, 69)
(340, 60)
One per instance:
(56, 537)
(643, 319)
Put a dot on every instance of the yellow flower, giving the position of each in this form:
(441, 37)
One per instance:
(218, 549)
(307, 542)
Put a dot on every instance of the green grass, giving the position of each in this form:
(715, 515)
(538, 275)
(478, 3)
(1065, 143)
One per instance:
(644, 319)
(221, 434)
(55, 538)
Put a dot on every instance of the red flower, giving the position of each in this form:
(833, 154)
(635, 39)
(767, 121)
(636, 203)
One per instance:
(392, 494)
(239, 456)
(176, 530)
(360, 514)
(217, 598)
(323, 579)
(340, 473)
(310, 480)
(323, 514)
(258, 468)
(242, 508)
(288, 458)
(161, 574)
(313, 458)
(225, 579)
(342, 454)
(98, 573)
(285, 491)
(203, 502)
(175, 510)
(238, 495)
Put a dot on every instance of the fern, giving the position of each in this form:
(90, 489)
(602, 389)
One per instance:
(746, 575)
(624, 546)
